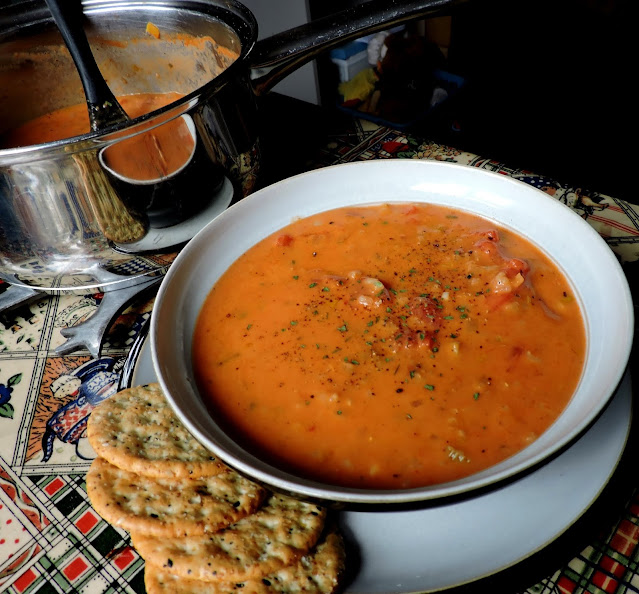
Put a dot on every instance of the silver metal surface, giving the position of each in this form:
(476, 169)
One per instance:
(90, 334)
(63, 211)
(87, 335)
(63, 214)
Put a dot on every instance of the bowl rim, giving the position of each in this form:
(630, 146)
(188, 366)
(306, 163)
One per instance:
(237, 216)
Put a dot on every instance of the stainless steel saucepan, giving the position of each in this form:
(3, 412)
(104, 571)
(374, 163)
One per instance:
(69, 219)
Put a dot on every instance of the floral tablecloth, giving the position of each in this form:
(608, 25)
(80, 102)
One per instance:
(51, 540)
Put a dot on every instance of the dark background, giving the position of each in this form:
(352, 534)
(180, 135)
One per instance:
(549, 88)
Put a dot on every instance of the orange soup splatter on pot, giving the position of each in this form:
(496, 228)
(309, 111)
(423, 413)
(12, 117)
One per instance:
(391, 346)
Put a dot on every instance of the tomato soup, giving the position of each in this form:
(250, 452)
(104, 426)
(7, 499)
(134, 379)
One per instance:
(148, 156)
(71, 121)
(391, 346)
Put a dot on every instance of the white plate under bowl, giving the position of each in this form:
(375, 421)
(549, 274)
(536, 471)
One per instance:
(449, 545)
(597, 278)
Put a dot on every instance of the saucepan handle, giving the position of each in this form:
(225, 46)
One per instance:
(277, 56)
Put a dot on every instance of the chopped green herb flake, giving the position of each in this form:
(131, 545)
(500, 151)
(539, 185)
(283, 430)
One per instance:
(429, 387)
(312, 285)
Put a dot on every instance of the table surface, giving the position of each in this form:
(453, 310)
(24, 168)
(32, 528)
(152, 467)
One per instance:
(51, 540)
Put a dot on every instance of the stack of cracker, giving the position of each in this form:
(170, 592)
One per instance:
(199, 525)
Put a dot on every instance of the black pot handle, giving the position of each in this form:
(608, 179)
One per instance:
(275, 57)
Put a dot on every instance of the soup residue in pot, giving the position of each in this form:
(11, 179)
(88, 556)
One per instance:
(71, 121)
(391, 346)
(152, 155)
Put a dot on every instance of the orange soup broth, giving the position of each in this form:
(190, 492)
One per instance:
(389, 347)
(147, 156)
(71, 121)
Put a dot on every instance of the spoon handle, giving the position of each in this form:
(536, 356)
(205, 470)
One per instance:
(104, 109)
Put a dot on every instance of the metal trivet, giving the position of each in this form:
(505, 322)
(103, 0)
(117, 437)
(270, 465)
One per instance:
(89, 334)
(119, 289)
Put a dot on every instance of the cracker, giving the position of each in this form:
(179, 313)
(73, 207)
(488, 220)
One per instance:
(137, 430)
(170, 507)
(318, 572)
(274, 537)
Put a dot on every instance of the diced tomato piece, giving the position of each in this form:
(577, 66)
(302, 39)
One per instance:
(515, 266)
(428, 341)
(497, 300)
(427, 312)
(412, 209)
(284, 240)
(489, 248)
(490, 235)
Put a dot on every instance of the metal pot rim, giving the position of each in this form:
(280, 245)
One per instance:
(102, 138)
